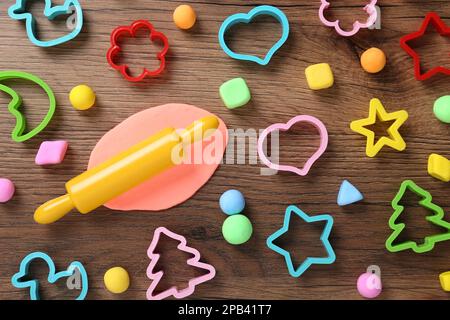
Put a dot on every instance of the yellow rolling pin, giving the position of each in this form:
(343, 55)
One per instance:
(124, 171)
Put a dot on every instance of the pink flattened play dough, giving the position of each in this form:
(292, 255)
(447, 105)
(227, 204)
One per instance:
(177, 184)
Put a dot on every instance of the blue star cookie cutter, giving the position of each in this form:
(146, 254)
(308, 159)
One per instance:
(53, 276)
(329, 259)
(18, 12)
(248, 17)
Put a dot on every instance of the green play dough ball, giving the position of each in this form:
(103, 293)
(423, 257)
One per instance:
(237, 229)
(442, 109)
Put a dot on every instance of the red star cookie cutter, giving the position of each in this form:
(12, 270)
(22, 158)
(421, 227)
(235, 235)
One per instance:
(442, 28)
(115, 49)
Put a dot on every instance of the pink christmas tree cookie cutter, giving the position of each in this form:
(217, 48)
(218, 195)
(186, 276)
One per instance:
(194, 262)
(357, 25)
(285, 127)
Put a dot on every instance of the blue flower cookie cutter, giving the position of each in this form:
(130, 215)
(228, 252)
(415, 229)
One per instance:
(248, 17)
(18, 12)
(329, 259)
(53, 276)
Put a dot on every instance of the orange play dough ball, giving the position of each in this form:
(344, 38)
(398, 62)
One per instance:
(184, 17)
(373, 60)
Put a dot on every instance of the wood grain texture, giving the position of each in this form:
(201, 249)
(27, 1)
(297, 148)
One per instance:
(196, 68)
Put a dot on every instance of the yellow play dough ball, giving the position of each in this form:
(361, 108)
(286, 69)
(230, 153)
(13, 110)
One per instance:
(184, 17)
(117, 280)
(82, 97)
(373, 60)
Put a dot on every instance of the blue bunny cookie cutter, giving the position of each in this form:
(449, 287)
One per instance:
(53, 276)
(18, 12)
(248, 17)
(329, 259)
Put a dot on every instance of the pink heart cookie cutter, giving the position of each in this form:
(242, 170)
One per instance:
(370, 8)
(285, 127)
(194, 262)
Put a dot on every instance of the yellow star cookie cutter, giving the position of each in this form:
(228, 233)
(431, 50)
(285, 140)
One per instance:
(377, 111)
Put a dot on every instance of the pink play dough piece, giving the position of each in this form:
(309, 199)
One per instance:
(6, 190)
(51, 152)
(177, 184)
(369, 285)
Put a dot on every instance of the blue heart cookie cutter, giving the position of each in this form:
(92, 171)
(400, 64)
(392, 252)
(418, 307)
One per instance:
(329, 259)
(53, 276)
(248, 17)
(17, 12)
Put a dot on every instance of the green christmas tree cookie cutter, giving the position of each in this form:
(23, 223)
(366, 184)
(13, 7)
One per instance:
(436, 219)
(16, 102)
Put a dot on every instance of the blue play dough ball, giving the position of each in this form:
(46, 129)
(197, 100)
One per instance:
(232, 202)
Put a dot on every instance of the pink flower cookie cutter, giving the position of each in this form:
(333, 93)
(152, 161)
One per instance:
(357, 25)
(194, 262)
(285, 127)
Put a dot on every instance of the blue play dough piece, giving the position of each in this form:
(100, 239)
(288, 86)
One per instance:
(18, 12)
(18, 279)
(232, 202)
(348, 194)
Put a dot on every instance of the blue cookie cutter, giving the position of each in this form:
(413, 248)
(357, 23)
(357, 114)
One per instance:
(246, 18)
(331, 256)
(53, 276)
(17, 12)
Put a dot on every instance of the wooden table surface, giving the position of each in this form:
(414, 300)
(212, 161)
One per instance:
(196, 68)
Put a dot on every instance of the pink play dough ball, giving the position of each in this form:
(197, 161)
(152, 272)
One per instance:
(369, 285)
(6, 190)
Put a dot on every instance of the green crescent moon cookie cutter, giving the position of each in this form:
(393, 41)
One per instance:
(16, 102)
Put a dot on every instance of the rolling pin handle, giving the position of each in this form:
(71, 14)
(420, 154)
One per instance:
(53, 210)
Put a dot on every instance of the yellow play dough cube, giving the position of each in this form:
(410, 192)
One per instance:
(445, 280)
(319, 76)
(439, 167)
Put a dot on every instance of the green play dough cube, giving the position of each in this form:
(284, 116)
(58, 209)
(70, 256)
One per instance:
(235, 93)
(237, 229)
(442, 109)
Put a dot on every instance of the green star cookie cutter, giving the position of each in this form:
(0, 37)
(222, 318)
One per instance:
(16, 102)
(436, 219)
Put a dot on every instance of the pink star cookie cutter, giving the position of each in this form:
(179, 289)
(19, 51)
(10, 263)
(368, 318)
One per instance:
(194, 262)
(285, 127)
(357, 25)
